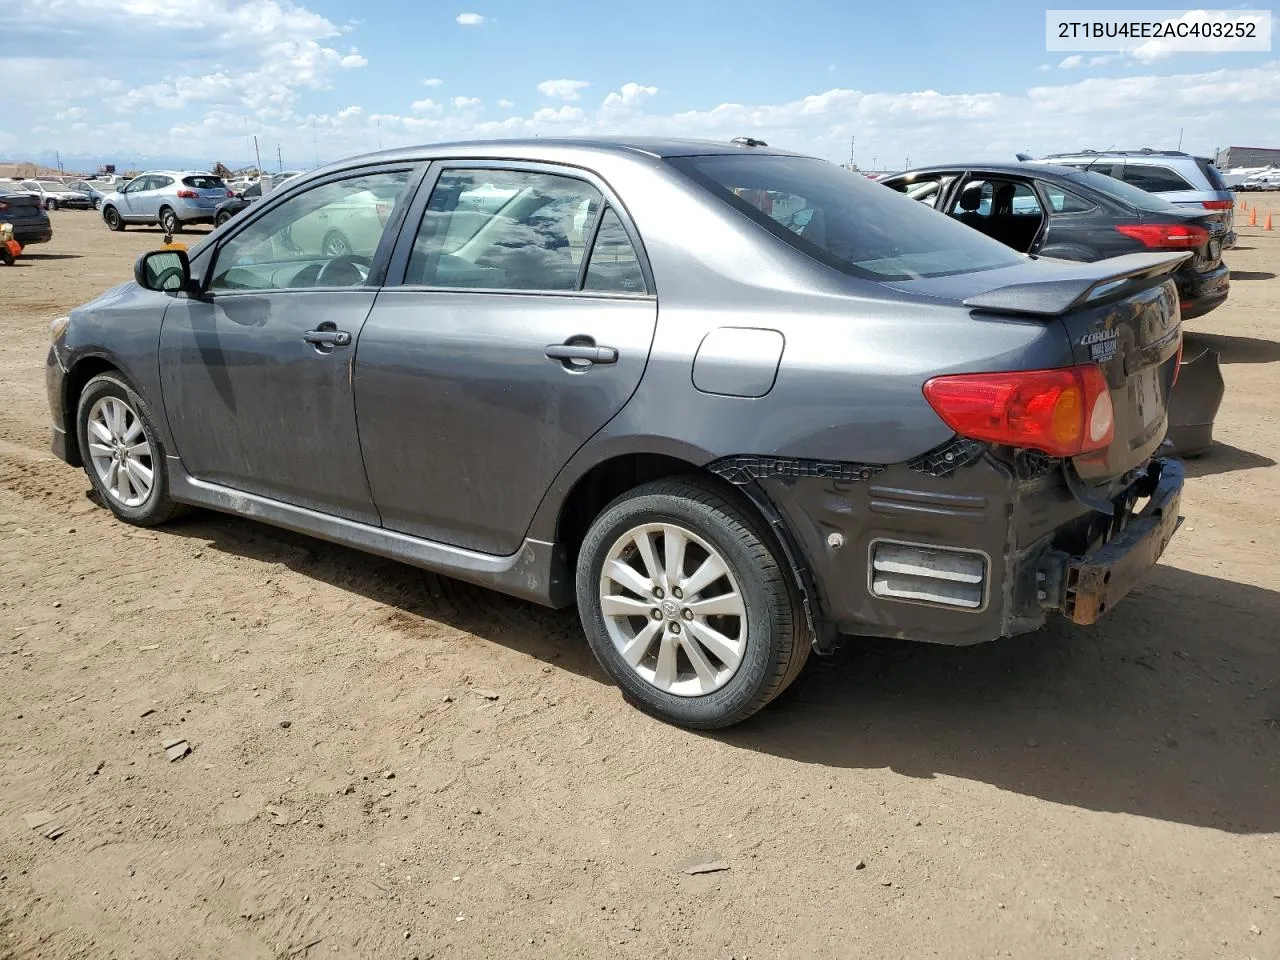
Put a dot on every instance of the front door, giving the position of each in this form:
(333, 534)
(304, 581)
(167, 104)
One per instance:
(128, 202)
(522, 327)
(257, 372)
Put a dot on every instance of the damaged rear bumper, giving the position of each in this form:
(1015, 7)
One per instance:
(1091, 585)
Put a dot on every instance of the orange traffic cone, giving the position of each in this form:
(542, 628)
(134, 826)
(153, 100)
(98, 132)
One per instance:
(1253, 217)
(1241, 205)
(1268, 226)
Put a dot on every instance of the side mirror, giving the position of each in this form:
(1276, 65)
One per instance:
(167, 271)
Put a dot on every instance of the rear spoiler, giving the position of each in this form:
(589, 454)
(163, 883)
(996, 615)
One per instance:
(1080, 283)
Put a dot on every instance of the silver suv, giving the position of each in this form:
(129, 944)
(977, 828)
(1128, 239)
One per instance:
(1177, 177)
(170, 198)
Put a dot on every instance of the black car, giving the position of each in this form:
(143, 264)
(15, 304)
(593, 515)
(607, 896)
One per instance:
(232, 205)
(30, 222)
(1059, 212)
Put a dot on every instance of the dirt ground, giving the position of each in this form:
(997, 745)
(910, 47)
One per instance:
(388, 764)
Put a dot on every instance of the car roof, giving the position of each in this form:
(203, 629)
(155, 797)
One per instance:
(1019, 168)
(567, 149)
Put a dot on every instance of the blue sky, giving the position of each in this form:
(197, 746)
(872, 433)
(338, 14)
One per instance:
(126, 80)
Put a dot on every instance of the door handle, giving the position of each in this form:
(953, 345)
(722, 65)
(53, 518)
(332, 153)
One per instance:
(328, 338)
(582, 351)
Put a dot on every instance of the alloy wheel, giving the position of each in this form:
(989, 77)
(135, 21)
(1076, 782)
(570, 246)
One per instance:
(673, 609)
(120, 451)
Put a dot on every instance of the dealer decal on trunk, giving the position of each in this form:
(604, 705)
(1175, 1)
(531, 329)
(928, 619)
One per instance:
(1101, 344)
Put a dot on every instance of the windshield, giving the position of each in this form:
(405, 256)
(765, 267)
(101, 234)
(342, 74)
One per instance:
(843, 219)
(49, 185)
(1124, 192)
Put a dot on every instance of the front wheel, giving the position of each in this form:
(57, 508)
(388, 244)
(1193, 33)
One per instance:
(686, 606)
(122, 453)
(113, 219)
(51, 204)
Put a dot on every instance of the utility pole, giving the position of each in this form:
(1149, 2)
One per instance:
(257, 156)
(378, 121)
(1179, 138)
(279, 158)
(852, 142)
(58, 156)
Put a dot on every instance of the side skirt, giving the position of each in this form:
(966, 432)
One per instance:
(538, 571)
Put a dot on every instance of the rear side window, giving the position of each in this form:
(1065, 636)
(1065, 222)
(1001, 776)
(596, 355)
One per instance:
(1125, 193)
(204, 183)
(1153, 179)
(1064, 201)
(1212, 174)
(504, 230)
(842, 219)
(614, 266)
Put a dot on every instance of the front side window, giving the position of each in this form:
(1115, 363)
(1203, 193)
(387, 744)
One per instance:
(504, 230)
(324, 237)
(844, 220)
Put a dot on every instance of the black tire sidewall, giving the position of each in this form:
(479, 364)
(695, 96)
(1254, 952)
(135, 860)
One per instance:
(115, 224)
(158, 507)
(165, 214)
(768, 604)
(339, 236)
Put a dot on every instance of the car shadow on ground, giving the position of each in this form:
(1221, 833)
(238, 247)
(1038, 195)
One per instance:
(1233, 349)
(1170, 708)
(1252, 275)
(50, 256)
(1224, 458)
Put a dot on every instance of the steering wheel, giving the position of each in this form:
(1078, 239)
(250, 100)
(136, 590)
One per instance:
(163, 279)
(345, 270)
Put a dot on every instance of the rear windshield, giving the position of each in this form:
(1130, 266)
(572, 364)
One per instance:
(843, 219)
(1212, 174)
(201, 182)
(1126, 193)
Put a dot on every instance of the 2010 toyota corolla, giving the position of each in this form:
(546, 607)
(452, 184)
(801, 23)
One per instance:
(733, 402)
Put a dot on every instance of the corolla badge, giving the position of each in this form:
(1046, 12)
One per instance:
(1101, 344)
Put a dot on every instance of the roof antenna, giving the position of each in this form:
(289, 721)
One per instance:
(748, 142)
(1098, 157)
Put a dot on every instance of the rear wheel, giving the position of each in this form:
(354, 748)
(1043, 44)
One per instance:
(122, 453)
(113, 219)
(335, 244)
(51, 204)
(686, 606)
(169, 221)
(221, 218)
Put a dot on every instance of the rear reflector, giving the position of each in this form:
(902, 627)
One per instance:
(1063, 412)
(1166, 236)
(923, 573)
(1219, 204)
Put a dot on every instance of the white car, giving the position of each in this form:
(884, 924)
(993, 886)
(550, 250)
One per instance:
(53, 194)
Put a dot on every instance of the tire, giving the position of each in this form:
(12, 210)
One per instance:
(221, 218)
(169, 221)
(335, 244)
(51, 204)
(113, 219)
(103, 399)
(769, 638)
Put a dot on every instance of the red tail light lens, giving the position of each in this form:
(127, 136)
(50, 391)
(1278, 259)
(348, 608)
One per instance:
(188, 194)
(1166, 236)
(1063, 412)
(1219, 204)
(3, 205)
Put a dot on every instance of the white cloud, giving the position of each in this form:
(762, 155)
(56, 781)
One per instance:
(563, 89)
(1104, 59)
(1071, 62)
(565, 114)
(470, 19)
(353, 61)
(505, 104)
(433, 82)
(466, 103)
(626, 100)
(425, 106)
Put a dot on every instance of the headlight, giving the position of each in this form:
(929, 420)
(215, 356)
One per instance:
(58, 328)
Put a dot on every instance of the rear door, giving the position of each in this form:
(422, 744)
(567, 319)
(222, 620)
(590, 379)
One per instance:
(522, 325)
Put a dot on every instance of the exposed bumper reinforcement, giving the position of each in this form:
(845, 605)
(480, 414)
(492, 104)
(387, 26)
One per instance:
(1096, 582)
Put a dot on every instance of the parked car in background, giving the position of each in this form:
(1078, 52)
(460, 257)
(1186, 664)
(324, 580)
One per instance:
(1057, 211)
(170, 198)
(1262, 180)
(95, 192)
(250, 194)
(53, 195)
(746, 403)
(28, 216)
(1180, 178)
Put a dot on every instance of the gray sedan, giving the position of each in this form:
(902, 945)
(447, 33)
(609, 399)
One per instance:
(734, 403)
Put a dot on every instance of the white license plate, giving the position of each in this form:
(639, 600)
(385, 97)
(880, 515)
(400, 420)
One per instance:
(1215, 249)
(1147, 400)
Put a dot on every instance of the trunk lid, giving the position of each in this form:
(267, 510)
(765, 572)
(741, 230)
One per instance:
(16, 207)
(1121, 314)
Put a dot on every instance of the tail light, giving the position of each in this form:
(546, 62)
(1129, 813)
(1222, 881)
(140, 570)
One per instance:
(1219, 204)
(1166, 236)
(3, 205)
(1063, 412)
(188, 195)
